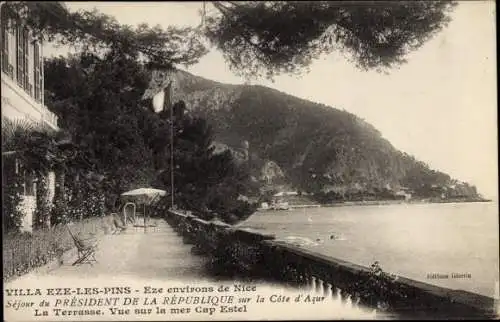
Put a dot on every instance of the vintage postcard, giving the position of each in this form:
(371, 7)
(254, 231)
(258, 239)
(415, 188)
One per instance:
(254, 160)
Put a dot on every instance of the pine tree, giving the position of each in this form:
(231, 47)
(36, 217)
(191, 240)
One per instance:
(207, 183)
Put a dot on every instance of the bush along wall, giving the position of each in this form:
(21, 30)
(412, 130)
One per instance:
(12, 196)
(41, 218)
(85, 201)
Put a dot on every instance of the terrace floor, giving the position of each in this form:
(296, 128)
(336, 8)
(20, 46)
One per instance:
(136, 252)
(157, 257)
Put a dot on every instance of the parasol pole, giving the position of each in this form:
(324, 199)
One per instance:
(156, 106)
(172, 154)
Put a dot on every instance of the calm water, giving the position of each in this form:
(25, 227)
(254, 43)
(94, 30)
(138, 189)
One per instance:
(410, 240)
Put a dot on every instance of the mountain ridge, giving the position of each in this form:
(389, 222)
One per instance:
(318, 148)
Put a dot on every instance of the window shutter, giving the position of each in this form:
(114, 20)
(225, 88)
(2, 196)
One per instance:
(42, 89)
(36, 71)
(5, 43)
(27, 85)
(40, 69)
(19, 56)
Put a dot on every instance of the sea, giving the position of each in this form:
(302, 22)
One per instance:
(424, 242)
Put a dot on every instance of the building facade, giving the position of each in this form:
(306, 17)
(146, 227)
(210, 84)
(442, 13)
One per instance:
(22, 76)
(22, 94)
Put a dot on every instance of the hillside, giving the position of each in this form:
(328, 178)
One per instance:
(294, 143)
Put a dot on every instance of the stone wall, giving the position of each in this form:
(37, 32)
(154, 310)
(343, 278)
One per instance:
(27, 206)
(261, 256)
(51, 186)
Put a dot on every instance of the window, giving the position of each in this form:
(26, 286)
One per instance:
(37, 71)
(6, 66)
(29, 183)
(19, 57)
(22, 58)
(27, 86)
(40, 81)
(5, 47)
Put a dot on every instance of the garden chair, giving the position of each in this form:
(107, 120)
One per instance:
(118, 224)
(86, 248)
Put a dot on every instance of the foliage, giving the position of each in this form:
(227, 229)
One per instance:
(97, 32)
(26, 147)
(255, 37)
(85, 197)
(100, 105)
(40, 149)
(60, 209)
(378, 287)
(279, 36)
(373, 194)
(208, 183)
(11, 197)
(41, 216)
(15, 134)
(24, 251)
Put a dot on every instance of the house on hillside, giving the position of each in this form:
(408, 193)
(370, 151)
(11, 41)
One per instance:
(403, 194)
(23, 99)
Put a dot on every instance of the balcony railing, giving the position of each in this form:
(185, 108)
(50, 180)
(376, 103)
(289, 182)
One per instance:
(49, 117)
(255, 254)
(29, 89)
(27, 104)
(7, 68)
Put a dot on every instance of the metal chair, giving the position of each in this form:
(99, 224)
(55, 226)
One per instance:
(117, 223)
(86, 248)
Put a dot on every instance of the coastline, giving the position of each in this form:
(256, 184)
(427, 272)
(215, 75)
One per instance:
(395, 202)
(378, 203)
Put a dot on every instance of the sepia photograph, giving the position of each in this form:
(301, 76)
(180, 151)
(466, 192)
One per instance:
(249, 160)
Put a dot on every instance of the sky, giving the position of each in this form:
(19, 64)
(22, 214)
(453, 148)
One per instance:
(441, 106)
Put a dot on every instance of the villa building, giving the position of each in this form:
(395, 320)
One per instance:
(23, 98)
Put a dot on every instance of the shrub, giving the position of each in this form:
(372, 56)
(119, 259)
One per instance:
(378, 288)
(23, 252)
(11, 198)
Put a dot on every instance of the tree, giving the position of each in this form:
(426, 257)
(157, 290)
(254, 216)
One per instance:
(211, 184)
(256, 37)
(37, 150)
(286, 36)
(97, 32)
(14, 136)
(99, 104)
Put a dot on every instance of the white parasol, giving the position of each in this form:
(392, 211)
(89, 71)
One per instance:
(145, 196)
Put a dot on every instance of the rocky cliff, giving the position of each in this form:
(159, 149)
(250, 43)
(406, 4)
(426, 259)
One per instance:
(313, 147)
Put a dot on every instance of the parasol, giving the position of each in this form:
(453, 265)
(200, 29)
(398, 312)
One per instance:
(144, 196)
